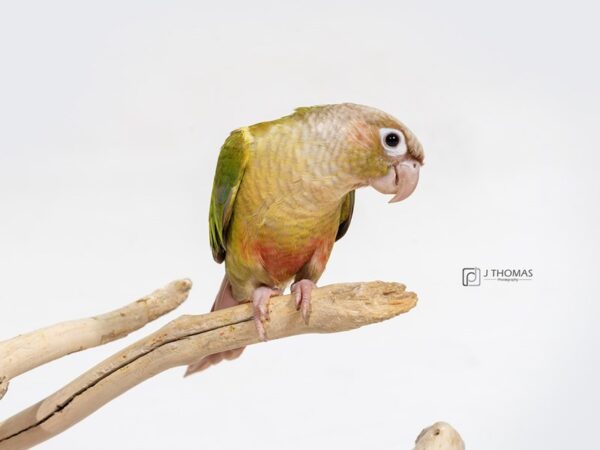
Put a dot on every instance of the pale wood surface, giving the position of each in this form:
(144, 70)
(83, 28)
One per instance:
(186, 339)
(439, 436)
(28, 351)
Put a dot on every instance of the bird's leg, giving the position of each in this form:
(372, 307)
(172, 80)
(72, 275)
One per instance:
(302, 290)
(260, 303)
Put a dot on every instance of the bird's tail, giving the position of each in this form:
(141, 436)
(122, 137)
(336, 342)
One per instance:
(223, 300)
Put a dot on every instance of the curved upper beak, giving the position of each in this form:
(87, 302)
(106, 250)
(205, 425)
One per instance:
(407, 178)
(401, 179)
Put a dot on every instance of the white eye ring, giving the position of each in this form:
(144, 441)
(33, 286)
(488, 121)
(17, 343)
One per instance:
(393, 141)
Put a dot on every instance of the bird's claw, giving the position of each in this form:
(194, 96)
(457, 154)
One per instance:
(301, 290)
(260, 306)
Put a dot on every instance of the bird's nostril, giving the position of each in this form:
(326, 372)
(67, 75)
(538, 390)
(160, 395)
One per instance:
(414, 165)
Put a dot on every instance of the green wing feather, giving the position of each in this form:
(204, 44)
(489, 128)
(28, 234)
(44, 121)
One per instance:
(228, 176)
(346, 215)
(231, 164)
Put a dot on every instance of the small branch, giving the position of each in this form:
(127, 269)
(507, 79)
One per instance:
(185, 340)
(3, 385)
(28, 351)
(440, 435)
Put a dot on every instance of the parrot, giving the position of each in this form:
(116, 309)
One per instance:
(439, 436)
(284, 192)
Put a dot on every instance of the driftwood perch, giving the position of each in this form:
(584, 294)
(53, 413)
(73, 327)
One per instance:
(186, 339)
(28, 351)
(439, 436)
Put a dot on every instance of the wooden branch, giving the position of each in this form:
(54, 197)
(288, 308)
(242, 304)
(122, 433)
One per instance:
(438, 436)
(185, 340)
(28, 351)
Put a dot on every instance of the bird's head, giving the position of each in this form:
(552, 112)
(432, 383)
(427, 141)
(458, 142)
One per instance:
(405, 157)
(392, 155)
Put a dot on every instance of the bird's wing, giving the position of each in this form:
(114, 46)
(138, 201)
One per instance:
(228, 176)
(346, 215)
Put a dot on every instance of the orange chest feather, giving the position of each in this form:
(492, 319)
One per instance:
(283, 263)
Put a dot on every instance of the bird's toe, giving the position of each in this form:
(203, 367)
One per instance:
(302, 291)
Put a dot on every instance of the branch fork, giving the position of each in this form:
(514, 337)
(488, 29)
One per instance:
(185, 340)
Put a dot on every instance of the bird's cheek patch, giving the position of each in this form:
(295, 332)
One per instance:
(387, 184)
(362, 134)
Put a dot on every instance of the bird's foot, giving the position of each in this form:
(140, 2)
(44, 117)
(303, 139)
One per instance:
(301, 290)
(260, 303)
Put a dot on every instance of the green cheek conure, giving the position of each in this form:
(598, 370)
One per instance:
(283, 193)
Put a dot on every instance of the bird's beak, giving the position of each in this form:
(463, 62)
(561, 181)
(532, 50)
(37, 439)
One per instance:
(407, 178)
(401, 179)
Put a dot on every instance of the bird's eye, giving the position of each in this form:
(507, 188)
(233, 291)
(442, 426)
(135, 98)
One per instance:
(393, 141)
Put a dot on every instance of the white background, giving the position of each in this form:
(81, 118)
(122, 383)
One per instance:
(111, 118)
